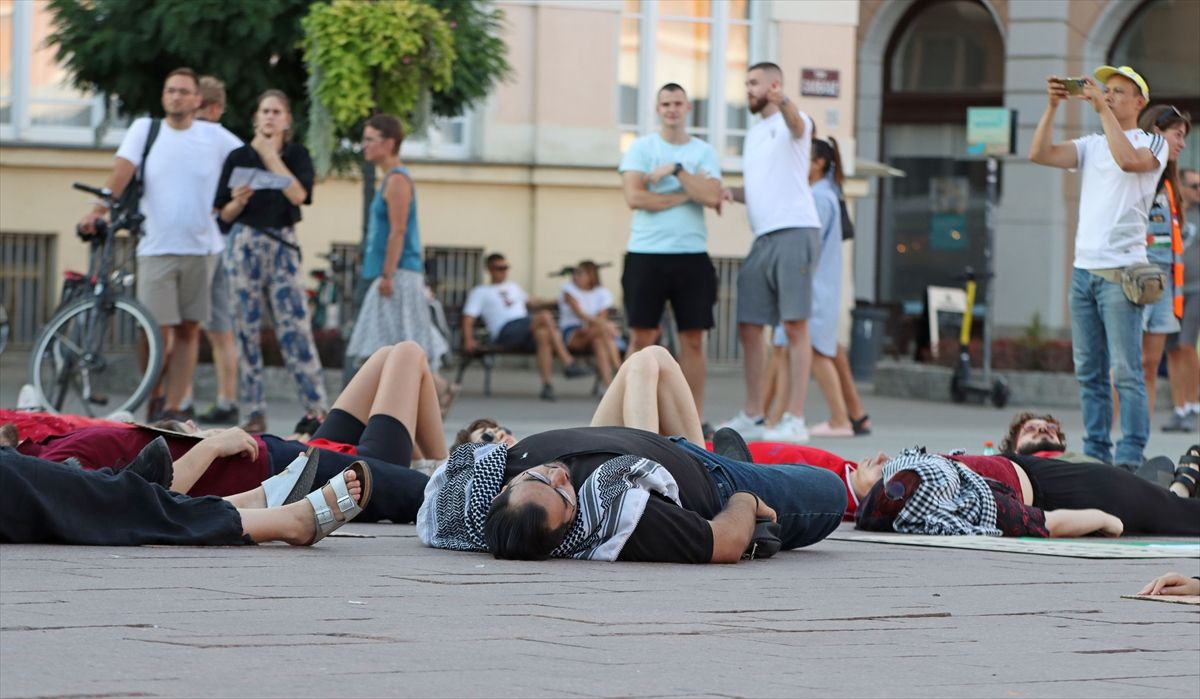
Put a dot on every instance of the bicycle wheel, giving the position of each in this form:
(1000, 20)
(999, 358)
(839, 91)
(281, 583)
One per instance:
(86, 360)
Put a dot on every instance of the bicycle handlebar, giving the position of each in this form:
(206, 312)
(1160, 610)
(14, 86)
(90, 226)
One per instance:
(102, 192)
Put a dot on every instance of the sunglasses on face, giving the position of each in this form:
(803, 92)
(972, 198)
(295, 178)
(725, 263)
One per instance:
(542, 478)
(493, 434)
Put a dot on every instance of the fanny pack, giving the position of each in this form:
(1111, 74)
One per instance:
(1143, 283)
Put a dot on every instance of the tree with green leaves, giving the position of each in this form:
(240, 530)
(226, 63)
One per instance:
(126, 47)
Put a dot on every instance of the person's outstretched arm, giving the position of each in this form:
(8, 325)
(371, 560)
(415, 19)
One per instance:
(1172, 584)
(1043, 150)
(1071, 523)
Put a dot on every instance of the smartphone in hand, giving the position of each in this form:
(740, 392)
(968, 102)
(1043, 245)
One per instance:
(1073, 86)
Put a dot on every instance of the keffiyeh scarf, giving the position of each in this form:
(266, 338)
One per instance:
(611, 502)
(951, 498)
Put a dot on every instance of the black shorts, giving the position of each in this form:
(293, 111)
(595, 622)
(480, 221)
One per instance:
(687, 280)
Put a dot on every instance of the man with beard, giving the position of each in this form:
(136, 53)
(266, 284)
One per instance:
(775, 280)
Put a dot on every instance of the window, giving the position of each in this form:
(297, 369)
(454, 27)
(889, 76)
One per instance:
(37, 101)
(445, 139)
(700, 44)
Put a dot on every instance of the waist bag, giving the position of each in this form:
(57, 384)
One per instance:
(1143, 283)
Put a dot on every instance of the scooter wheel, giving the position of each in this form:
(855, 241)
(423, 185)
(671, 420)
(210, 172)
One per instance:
(1000, 393)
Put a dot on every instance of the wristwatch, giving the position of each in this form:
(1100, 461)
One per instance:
(678, 169)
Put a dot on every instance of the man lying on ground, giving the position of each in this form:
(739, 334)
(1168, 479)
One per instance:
(620, 490)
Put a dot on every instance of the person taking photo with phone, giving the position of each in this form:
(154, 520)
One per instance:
(1121, 167)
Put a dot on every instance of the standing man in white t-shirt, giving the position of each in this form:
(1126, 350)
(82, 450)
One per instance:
(502, 305)
(775, 280)
(668, 178)
(1121, 168)
(178, 252)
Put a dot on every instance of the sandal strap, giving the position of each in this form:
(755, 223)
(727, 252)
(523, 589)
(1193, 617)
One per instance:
(345, 502)
(1189, 459)
(1188, 477)
(323, 515)
(277, 487)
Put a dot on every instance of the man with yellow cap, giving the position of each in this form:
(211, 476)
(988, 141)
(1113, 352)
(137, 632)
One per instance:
(1120, 167)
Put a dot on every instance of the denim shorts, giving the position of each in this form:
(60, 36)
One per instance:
(1159, 317)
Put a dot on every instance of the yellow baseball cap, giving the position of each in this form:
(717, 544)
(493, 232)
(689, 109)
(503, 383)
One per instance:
(1103, 73)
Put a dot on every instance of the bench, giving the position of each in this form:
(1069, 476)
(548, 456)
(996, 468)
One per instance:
(486, 352)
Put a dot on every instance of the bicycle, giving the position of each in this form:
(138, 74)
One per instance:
(101, 351)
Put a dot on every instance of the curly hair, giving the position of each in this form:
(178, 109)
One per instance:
(464, 435)
(1009, 444)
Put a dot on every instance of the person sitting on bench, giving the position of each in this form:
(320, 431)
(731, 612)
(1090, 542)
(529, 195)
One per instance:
(502, 306)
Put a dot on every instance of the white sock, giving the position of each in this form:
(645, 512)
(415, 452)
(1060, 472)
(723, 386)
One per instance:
(1181, 411)
(1193, 408)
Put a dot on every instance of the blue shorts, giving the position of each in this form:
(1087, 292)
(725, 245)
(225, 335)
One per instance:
(516, 334)
(1159, 317)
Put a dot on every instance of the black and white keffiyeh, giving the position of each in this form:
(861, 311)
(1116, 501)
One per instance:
(611, 502)
(951, 498)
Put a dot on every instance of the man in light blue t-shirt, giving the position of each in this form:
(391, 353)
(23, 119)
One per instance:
(669, 177)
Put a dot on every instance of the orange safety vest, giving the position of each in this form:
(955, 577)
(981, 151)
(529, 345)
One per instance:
(1176, 249)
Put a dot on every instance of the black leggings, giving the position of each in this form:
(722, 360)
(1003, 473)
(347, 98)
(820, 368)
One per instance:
(383, 443)
(47, 502)
(1143, 507)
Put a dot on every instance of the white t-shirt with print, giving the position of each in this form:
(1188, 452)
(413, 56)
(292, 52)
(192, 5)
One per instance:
(180, 180)
(775, 175)
(1114, 205)
(497, 305)
(592, 302)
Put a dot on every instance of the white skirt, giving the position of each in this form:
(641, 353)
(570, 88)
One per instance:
(386, 320)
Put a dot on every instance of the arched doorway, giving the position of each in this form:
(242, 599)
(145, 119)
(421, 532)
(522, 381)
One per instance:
(943, 56)
(1159, 39)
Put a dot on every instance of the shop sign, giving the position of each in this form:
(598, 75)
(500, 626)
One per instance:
(819, 82)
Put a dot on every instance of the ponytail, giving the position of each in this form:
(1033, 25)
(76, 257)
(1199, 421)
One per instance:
(828, 151)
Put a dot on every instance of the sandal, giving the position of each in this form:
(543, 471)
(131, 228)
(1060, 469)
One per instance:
(1189, 475)
(325, 518)
(859, 425)
(292, 483)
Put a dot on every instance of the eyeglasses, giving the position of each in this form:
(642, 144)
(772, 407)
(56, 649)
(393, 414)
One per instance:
(543, 478)
(1170, 114)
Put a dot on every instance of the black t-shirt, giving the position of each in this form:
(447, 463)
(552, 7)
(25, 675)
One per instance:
(666, 532)
(267, 208)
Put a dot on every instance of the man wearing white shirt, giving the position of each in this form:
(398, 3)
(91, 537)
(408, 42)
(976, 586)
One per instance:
(1121, 168)
(179, 250)
(502, 306)
(775, 280)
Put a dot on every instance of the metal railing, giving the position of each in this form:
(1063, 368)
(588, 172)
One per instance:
(722, 346)
(27, 283)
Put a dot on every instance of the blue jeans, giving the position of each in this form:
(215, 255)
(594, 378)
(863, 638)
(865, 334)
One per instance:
(809, 501)
(1106, 333)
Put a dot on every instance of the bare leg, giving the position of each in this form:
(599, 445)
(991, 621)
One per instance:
(825, 373)
(1183, 368)
(545, 321)
(356, 398)
(604, 361)
(754, 360)
(777, 386)
(799, 362)
(651, 393)
(694, 364)
(544, 342)
(181, 363)
(854, 406)
(406, 366)
(1152, 351)
(294, 523)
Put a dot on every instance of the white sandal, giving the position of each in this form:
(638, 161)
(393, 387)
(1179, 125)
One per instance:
(326, 521)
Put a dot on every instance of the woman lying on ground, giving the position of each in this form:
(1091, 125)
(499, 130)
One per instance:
(386, 415)
(50, 503)
(1017, 495)
(619, 489)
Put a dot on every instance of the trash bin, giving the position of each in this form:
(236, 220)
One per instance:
(866, 340)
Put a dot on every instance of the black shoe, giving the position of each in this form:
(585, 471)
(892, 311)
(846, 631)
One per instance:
(216, 415)
(548, 393)
(153, 463)
(574, 371)
(309, 424)
(728, 443)
(1159, 469)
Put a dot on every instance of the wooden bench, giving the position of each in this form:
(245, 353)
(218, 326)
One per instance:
(486, 352)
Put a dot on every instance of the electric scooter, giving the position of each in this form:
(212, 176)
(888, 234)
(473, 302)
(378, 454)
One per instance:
(962, 385)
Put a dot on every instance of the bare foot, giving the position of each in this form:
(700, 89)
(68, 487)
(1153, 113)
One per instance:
(304, 523)
(249, 500)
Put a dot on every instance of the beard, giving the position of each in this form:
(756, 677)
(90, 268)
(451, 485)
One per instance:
(1043, 444)
(756, 104)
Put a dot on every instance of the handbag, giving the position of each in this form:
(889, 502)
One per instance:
(1143, 283)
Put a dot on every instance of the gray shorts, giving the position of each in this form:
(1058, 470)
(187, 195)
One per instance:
(221, 319)
(175, 288)
(776, 278)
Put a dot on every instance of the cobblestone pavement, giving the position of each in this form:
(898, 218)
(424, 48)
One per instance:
(375, 614)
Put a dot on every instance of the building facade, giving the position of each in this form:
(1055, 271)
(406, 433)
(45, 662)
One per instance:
(532, 171)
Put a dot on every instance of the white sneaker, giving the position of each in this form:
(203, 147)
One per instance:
(751, 429)
(789, 429)
(27, 398)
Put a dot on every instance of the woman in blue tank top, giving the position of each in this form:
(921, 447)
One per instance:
(395, 307)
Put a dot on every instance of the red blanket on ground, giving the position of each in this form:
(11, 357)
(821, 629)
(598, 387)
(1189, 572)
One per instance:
(36, 427)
